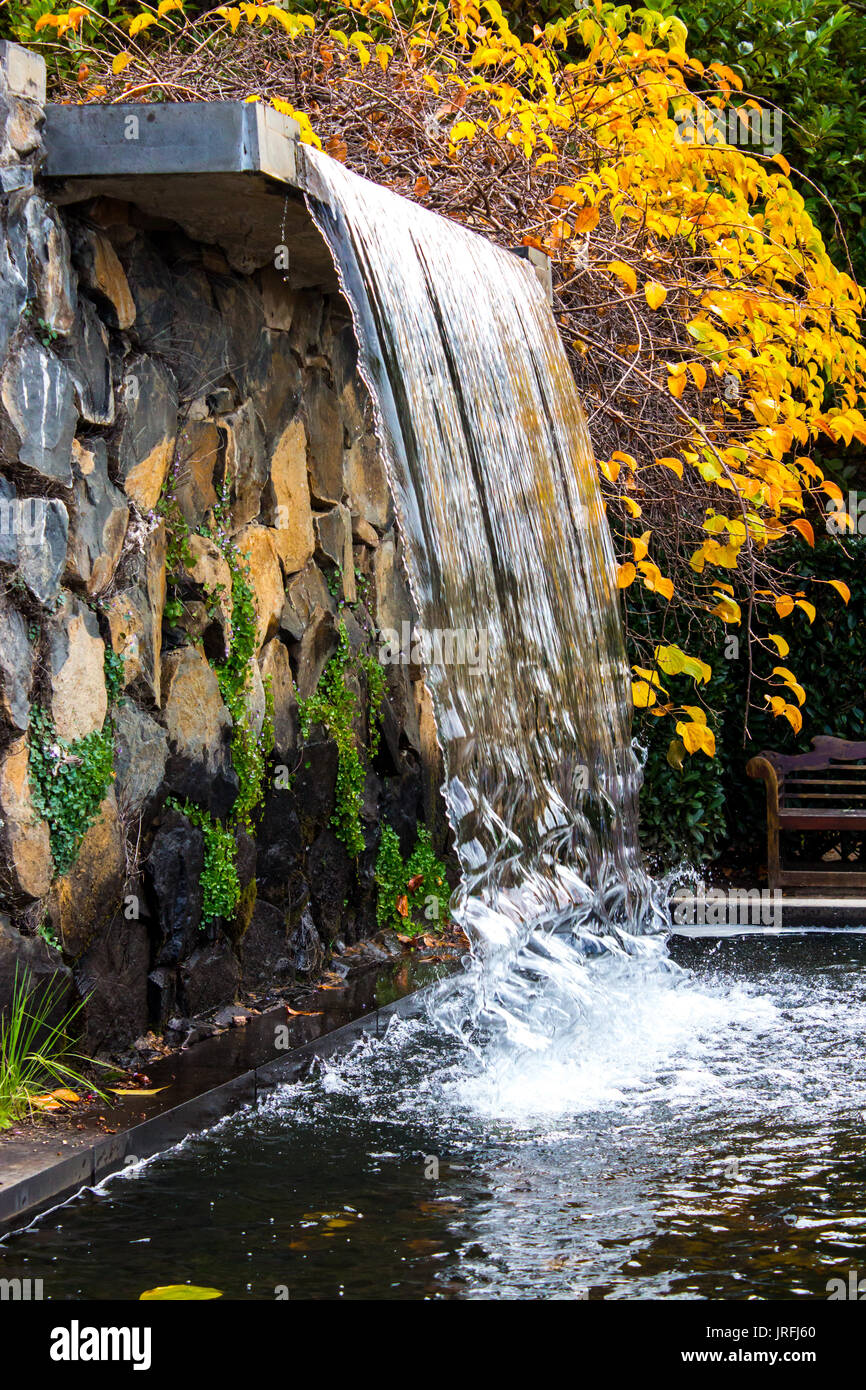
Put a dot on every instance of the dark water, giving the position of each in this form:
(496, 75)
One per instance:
(696, 1135)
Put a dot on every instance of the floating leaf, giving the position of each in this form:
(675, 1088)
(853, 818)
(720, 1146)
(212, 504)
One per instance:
(175, 1293)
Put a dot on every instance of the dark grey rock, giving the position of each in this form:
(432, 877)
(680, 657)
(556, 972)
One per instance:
(279, 851)
(304, 593)
(315, 786)
(149, 429)
(325, 434)
(331, 880)
(248, 354)
(16, 667)
(175, 864)
(140, 753)
(265, 951)
(48, 250)
(41, 562)
(306, 951)
(317, 646)
(210, 977)
(100, 516)
(112, 977)
(30, 957)
(86, 355)
(37, 413)
(198, 347)
(150, 283)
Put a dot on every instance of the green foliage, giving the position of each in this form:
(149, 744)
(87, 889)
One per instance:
(68, 781)
(43, 330)
(34, 1050)
(221, 889)
(333, 706)
(393, 878)
(804, 56)
(114, 668)
(375, 674)
(390, 879)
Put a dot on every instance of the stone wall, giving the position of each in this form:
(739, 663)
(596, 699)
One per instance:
(166, 427)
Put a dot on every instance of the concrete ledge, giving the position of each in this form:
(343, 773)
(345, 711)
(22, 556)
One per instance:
(31, 1186)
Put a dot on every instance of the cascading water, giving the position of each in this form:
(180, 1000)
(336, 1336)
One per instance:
(508, 552)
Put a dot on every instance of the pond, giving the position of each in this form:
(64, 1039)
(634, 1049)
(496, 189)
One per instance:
(694, 1131)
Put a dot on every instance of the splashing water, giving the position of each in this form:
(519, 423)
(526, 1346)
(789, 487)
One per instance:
(507, 549)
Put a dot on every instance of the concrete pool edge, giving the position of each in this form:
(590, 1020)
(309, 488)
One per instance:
(53, 1182)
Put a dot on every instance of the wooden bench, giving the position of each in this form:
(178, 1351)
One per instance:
(822, 790)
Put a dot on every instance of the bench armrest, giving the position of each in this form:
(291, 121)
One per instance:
(763, 770)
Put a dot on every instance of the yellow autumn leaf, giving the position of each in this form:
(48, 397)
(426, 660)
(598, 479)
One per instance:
(784, 606)
(781, 645)
(642, 694)
(623, 272)
(625, 575)
(120, 61)
(808, 608)
(140, 23)
(841, 588)
(697, 738)
(654, 293)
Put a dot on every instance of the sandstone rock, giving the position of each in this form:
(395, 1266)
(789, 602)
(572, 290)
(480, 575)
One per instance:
(91, 891)
(393, 601)
(278, 299)
(367, 482)
(334, 543)
(199, 732)
(76, 653)
(99, 520)
(306, 592)
(49, 251)
(276, 667)
(246, 462)
(140, 754)
(318, 645)
(266, 951)
(28, 866)
(147, 439)
(290, 495)
(363, 533)
(31, 958)
(42, 548)
(211, 571)
(112, 977)
(100, 271)
(210, 977)
(278, 394)
(258, 544)
(135, 618)
(86, 355)
(16, 667)
(37, 413)
(175, 865)
(198, 450)
(325, 435)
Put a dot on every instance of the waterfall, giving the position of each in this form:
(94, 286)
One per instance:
(507, 549)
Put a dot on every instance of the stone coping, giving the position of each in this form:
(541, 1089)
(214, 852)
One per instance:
(203, 1085)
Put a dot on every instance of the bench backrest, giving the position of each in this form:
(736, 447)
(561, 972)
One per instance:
(832, 776)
